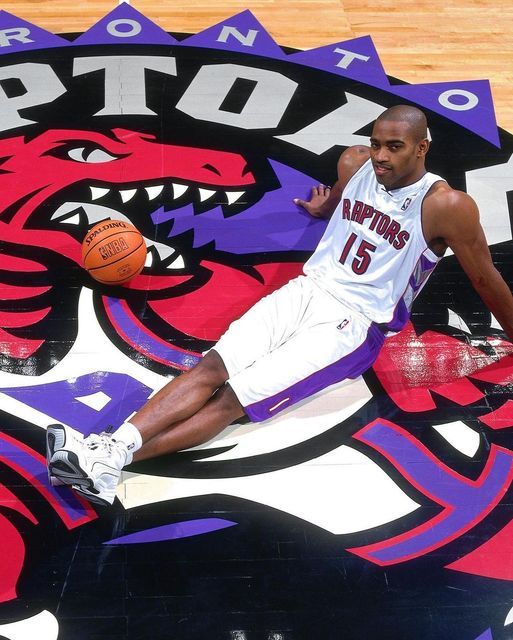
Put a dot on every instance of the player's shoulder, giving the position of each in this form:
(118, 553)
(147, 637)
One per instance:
(443, 199)
(351, 160)
(447, 210)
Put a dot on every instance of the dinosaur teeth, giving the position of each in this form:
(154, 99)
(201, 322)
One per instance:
(98, 192)
(162, 251)
(205, 194)
(154, 192)
(93, 213)
(178, 190)
(233, 196)
(127, 194)
(172, 191)
(159, 254)
(178, 263)
(74, 219)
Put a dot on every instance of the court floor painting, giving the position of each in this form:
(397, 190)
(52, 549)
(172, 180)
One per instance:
(379, 508)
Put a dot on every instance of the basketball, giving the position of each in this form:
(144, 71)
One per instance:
(113, 252)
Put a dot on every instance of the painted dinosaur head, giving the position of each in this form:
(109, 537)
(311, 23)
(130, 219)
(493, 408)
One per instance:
(196, 208)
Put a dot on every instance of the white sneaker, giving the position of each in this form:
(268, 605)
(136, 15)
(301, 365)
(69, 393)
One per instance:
(57, 435)
(92, 466)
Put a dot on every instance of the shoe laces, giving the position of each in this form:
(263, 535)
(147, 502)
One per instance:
(100, 442)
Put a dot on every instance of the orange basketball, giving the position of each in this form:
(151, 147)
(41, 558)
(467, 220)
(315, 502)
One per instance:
(113, 252)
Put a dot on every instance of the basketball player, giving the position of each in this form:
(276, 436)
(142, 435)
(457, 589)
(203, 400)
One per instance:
(392, 223)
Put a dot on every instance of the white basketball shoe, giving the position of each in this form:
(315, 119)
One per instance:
(92, 466)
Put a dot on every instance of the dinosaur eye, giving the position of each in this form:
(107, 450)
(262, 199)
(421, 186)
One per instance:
(90, 156)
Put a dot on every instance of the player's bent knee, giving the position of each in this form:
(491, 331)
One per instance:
(213, 369)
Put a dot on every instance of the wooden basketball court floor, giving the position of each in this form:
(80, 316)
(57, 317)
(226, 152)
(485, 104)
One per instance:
(379, 508)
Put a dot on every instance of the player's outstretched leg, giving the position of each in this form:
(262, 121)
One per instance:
(194, 407)
(93, 466)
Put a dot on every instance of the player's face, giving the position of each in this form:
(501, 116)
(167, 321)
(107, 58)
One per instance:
(397, 158)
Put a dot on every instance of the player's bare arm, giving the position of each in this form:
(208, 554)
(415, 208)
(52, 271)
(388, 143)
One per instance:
(451, 218)
(324, 200)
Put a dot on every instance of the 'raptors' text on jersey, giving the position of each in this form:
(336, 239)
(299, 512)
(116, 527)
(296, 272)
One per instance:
(373, 255)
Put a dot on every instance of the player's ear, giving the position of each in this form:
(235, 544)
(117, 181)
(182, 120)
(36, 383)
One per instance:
(422, 147)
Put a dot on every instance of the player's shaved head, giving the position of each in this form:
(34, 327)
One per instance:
(414, 117)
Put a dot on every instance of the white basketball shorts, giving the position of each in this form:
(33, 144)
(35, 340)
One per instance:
(293, 343)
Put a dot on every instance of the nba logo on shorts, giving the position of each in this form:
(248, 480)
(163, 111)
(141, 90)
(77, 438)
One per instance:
(343, 324)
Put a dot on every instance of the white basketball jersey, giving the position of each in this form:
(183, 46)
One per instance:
(373, 256)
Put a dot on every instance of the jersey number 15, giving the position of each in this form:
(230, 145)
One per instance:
(361, 262)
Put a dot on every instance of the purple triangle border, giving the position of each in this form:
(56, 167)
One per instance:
(468, 103)
(19, 35)
(240, 33)
(124, 24)
(356, 59)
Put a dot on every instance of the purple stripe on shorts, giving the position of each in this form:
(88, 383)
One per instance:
(350, 366)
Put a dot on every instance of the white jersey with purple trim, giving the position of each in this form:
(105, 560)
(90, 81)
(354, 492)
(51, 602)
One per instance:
(373, 256)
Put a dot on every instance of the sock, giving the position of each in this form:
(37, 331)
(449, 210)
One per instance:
(130, 436)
